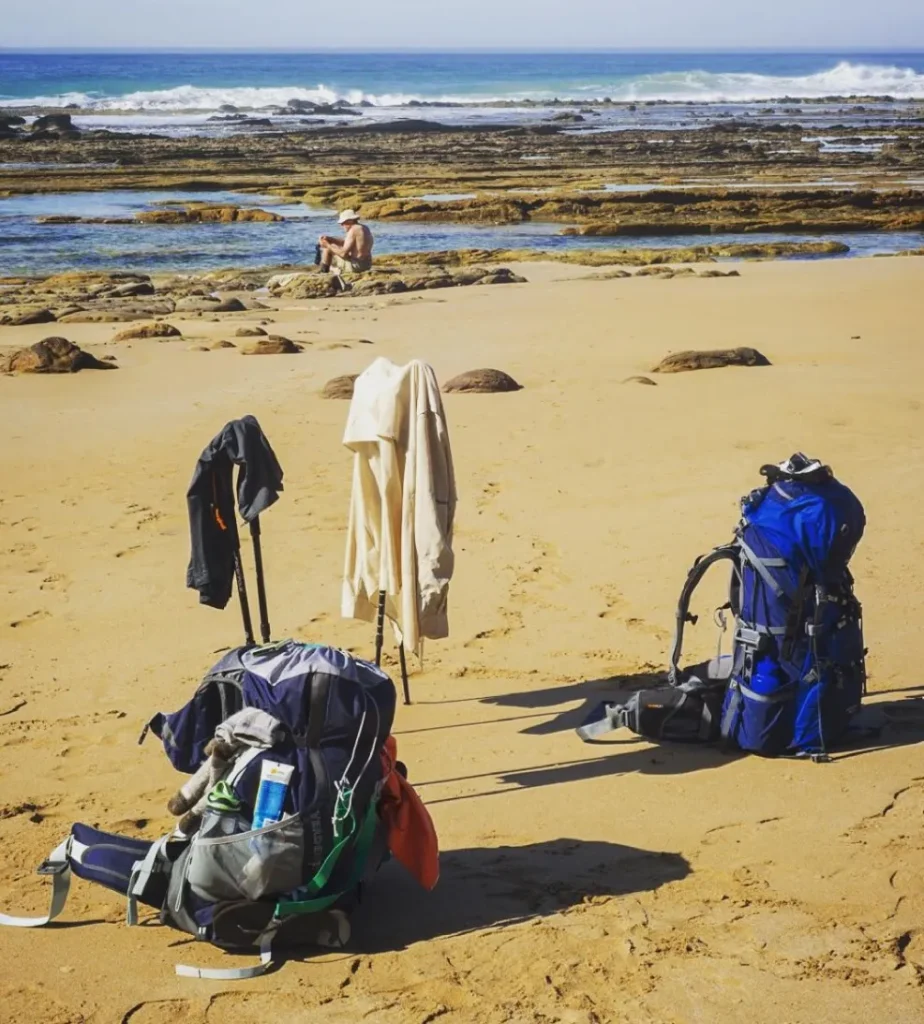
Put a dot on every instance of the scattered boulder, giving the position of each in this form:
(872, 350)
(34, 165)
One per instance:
(207, 304)
(33, 316)
(483, 381)
(158, 329)
(500, 276)
(657, 271)
(638, 379)
(119, 312)
(223, 344)
(52, 355)
(250, 332)
(340, 387)
(678, 362)
(719, 273)
(273, 345)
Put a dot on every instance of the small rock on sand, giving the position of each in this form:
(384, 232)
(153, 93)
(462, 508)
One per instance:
(52, 355)
(340, 387)
(223, 344)
(677, 362)
(719, 273)
(640, 380)
(33, 316)
(158, 329)
(483, 381)
(202, 304)
(250, 332)
(274, 345)
(199, 348)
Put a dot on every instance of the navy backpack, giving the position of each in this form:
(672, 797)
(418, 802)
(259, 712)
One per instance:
(293, 879)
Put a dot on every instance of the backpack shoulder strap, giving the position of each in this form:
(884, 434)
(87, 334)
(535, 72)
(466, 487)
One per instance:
(732, 553)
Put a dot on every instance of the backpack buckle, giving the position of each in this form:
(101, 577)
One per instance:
(48, 867)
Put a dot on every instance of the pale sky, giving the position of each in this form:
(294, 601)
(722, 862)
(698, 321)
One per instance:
(393, 24)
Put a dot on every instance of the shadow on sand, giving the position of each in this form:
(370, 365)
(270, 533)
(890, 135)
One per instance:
(481, 888)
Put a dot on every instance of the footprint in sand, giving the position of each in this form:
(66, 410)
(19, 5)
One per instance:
(32, 617)
(163, 1011)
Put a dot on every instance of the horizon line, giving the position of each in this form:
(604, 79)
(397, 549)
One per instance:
(443, 50)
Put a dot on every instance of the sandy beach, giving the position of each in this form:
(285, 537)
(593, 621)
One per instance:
(620, 882)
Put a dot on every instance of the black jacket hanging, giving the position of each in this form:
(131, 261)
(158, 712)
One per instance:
(210, 498)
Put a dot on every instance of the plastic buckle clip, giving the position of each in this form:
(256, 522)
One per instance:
(48, 867)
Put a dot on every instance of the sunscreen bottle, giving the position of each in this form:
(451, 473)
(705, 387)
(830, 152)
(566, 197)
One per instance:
(271, 796)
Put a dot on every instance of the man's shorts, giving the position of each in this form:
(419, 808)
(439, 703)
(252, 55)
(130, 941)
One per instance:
(345, 267)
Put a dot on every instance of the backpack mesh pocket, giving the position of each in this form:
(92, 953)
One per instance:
(252, 864)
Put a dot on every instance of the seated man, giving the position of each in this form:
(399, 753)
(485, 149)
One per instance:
(351, 254)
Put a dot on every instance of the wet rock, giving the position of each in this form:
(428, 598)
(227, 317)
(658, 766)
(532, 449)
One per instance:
(11, 121)
(53, 123)
(52, 355)
(483, 381)
(640, 380)
(250, 332)
(678, 362)
(193, 214)
(274, 345)
(340, 387)
(158, 329)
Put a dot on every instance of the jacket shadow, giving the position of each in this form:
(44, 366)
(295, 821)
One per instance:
(494, 887)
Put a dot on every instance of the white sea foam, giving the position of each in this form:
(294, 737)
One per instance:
(844, 79)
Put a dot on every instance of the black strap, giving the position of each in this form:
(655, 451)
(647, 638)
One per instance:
(700, 566)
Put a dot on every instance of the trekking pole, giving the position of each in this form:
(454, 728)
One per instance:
(404, 683)
(242, 594)
(261, 585)
(380, 640)
(380, 628)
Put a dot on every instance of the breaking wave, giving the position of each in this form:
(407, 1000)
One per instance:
(844, 79)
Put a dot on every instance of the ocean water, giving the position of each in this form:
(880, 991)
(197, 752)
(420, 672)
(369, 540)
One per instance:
(158, 82)
(33, 248)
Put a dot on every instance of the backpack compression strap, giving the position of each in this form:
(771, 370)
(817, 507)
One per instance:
(731, 552)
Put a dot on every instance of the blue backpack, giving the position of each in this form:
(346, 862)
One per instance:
(294, 878)
(797, 672)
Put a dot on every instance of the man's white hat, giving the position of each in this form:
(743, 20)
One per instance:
(348, 215)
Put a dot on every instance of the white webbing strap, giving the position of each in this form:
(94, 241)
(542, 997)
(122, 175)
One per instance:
(141, 875)
(58, 866)
(235, 973)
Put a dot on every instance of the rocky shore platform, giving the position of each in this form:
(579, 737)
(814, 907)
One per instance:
(731, 175)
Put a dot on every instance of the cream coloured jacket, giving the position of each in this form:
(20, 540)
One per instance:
(399, 537)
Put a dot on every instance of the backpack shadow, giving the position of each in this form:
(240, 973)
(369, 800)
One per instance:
(494, 887)
(589, 691)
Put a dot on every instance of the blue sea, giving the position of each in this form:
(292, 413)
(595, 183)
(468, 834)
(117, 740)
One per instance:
(175, 82)
(182, 94)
